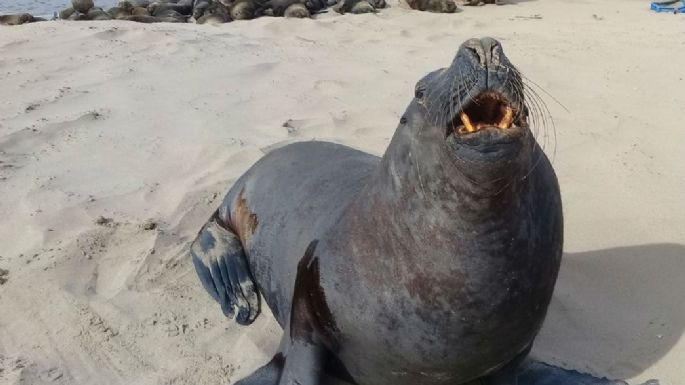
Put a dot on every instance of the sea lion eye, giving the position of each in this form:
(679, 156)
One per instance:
(403, 120)
(418, 93)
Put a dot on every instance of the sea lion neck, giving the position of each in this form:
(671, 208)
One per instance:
(420, 164)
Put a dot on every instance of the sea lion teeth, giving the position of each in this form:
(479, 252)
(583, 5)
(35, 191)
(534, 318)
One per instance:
(508, 119)
(467, 122)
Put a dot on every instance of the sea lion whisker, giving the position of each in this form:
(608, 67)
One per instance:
(530, 81)
(540, 112)
(548, 117)
(452, 127)
(427, 101)
(537, 117)
(469, 88)
(517, 89)
(438, 86)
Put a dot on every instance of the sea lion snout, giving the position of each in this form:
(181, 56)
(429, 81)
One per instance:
(487, 51)
(479, 107)
(479, 99)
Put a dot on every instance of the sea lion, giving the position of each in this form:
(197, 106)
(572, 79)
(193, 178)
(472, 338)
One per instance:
(358, 6)
(432, 265)
(18, 19)
(170, 13)
(296, 10)
(151, 19)
(140, 11)
(118, 12)
(184, 7)
(98, 14)
(200, 6)
(245, 9)
(482, 2)
(82, 5)
(213, 19)
(287, 8)
(214, 13)
(133, 3)
(438, 6)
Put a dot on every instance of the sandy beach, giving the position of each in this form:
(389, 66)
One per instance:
(119, 139)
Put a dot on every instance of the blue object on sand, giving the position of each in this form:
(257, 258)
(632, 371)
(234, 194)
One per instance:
(668, 6)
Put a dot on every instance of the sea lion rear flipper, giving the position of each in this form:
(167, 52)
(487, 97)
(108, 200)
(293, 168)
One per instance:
(539, 373)
(220, 263)
(303, 357)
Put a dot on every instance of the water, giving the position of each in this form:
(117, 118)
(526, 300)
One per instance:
(44, 8)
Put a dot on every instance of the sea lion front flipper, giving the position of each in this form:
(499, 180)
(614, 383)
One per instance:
(220, 263)
(269, 374)
(310, 327)
(304, 364)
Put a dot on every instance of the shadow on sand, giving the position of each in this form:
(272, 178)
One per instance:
(617, 310)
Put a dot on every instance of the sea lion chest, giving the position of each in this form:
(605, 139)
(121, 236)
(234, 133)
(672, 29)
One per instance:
(433, 306)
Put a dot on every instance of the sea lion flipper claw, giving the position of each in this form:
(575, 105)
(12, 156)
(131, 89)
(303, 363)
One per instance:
(220, 263)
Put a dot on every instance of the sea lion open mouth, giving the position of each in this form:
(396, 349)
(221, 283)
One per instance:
(487, 110)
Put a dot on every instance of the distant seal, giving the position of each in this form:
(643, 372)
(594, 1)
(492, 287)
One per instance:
(98, 14)
(18, 19)
(482, 2)
(438, 6)
(184, 7)
(245, 10)
(432, 265)
(119, 12)
(171, 14)
(140, 11)
(359, 6)
(211, 13)
(82, 5)
(151, 19)
(287, 8)
(133, 3)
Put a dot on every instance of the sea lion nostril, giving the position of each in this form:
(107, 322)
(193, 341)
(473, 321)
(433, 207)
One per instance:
(473, 51)
(492, 49)
(490, 44)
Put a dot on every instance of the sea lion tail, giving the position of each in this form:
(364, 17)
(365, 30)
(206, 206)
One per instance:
(220, 263)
